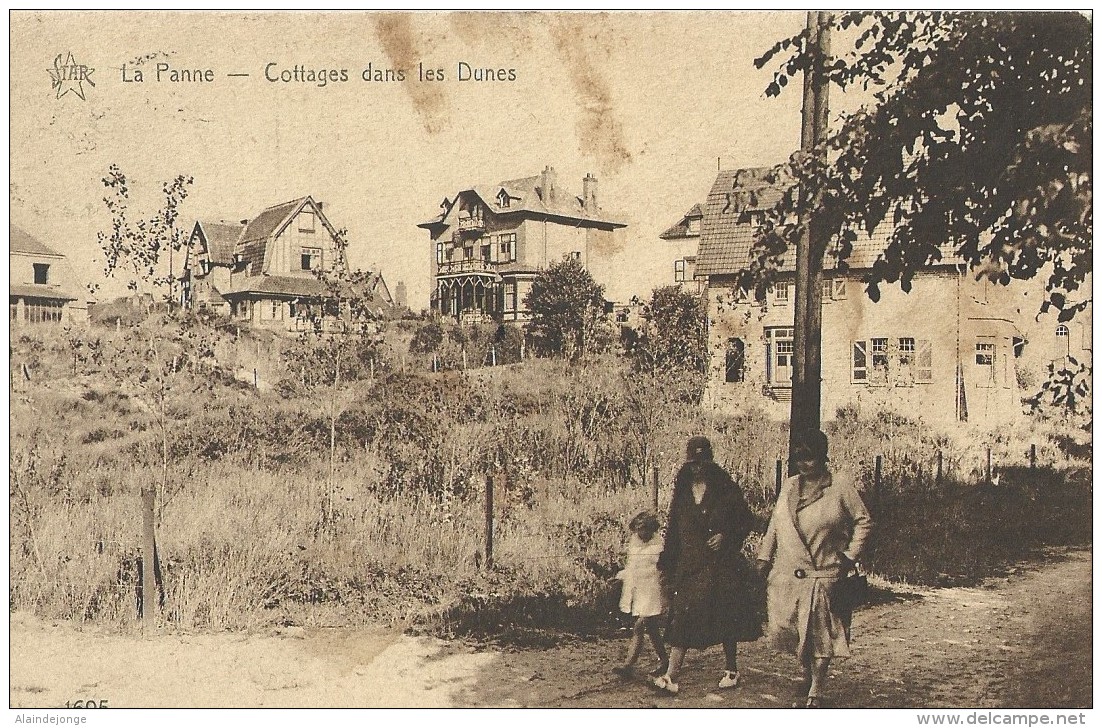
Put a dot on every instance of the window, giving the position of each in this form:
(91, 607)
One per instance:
(468, 252)
(311, 258)
(838, 288)
(439, 253)
(694, 226)
(1063, 337)
(679, 270)
(503, 198)
(576, 254)
(780, 293)
(511, 296)
(985, 362)
(42, 274)
(736, 361)
(778, 356)
(507, 247)
(486, 252)
(306, 222)
(881, 361)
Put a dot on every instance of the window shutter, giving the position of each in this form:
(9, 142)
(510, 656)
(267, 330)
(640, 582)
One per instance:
(924, 361)
(769, 362)
(860, 371)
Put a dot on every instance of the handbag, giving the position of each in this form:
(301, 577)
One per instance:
(850, 592)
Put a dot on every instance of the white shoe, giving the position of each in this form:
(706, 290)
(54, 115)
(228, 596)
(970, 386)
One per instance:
(729, 679)
(666, 685)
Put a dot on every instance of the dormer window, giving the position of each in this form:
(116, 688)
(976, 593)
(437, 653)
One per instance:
(41, 274)
(694, 226)
(503, 198)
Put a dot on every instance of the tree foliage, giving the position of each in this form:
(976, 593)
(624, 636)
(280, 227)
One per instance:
(980, 137)
(134, 249)
(567, 308)
(674, 336)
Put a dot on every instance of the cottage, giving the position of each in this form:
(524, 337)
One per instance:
(490, 242)
(264, 270)
(683, 238)
(945, 352)
(41, 287)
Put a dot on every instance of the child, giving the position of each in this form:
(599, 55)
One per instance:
(643, 595)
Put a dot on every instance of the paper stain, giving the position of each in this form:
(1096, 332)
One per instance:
(400, 44)
(600, 133)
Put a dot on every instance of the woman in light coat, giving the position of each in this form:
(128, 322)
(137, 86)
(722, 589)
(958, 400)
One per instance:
(817, 531)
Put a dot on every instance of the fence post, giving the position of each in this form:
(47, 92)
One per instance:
(988, 471)
(940, 465)
(1033, 456)
(877, 479)
(493, 356)
(777, 487)
(256, 379)
(654, 489)
(489, 522)
(149, 556)
(464, 359)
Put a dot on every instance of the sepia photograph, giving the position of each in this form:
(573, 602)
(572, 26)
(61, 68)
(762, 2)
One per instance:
(549, 359)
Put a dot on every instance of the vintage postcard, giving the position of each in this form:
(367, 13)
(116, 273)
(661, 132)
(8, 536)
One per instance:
(551, 359)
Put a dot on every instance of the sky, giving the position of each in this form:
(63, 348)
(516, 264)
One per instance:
(650, 103)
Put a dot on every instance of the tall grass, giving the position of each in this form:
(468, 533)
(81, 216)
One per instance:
(246, 540)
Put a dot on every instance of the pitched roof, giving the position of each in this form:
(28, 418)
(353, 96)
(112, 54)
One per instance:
(27, 290)
(531, 198)
(252, 244)
(680, 229)
(221, 238)
(306, 286)
(20, 241)
(727, 235)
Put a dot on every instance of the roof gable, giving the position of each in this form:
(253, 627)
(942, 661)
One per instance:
(682, 228)
(253, 243)
(219, 239)
(20, 241)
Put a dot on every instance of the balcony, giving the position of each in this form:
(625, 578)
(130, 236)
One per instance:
(472, 224)
(457, 267)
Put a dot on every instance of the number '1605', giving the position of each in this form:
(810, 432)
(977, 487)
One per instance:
(85, 703)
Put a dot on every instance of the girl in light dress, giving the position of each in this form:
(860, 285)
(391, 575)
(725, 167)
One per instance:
(643, 594)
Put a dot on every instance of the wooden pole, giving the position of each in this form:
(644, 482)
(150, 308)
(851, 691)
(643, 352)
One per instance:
(878, 476)
(149, 556)
(464, 358)
(489, 522)
(1033, 456)
(654, 488)
(940, 465)
(493, 356)
(777, 486)
(806, 407)
(988, 470)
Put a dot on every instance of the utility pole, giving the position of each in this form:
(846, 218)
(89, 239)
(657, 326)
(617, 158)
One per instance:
(811, 247)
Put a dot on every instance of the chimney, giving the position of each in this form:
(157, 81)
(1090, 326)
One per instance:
(547, 184)
(589, 192)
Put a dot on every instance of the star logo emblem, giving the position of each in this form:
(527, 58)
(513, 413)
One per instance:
(68, 75)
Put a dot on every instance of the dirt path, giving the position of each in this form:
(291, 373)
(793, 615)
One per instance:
(1020, 641)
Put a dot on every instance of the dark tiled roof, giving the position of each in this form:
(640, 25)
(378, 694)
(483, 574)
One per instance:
(20, 241)
(27, 290)
(528, 197)
(680, 230)
(278, 286)
(221, 239)
(253, 243)
(727, 237)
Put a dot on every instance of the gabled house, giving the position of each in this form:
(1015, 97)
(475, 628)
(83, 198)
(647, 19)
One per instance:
(208, 263)
(944, 352)
(489, 242)
(682, 239)
(264, 269)
(41, 287)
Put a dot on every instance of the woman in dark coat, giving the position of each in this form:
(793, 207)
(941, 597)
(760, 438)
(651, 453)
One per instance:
(709, 580)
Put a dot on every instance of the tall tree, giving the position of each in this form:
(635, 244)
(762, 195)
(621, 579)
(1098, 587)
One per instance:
(136, 249)
(980, 135)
